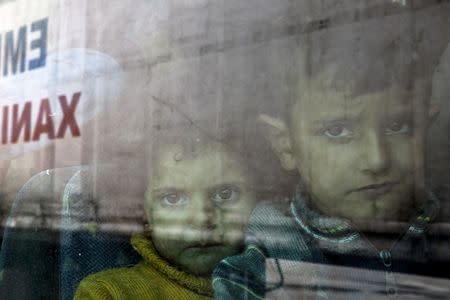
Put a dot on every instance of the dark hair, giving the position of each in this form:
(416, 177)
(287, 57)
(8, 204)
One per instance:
(359, 57)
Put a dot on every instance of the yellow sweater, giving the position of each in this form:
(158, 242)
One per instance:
(152, 278)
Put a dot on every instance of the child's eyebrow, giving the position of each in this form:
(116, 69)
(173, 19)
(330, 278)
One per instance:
(341, 114)
(165, 189)
(226, 184)
(402, 110)
(328, 121)
(222, 184)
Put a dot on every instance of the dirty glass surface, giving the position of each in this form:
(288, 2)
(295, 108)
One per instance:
(198, 149)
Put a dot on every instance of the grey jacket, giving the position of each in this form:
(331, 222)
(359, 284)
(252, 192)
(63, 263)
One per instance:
(291, 252)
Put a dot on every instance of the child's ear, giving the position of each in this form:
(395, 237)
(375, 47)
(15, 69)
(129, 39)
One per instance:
(277, 133)
(433, 112)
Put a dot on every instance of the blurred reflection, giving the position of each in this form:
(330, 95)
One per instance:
(28, 260)
(169, 140)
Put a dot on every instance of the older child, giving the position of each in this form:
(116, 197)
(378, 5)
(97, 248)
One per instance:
(355, 132)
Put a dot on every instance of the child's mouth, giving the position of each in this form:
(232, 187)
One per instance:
(204, 245)
(377, 189)
(198, 249)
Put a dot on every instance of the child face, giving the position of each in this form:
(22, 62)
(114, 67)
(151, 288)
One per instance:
(358, 156)
(198, 206)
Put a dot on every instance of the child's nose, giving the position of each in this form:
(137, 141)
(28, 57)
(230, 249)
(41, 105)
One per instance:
(375, 157)
(203, 213)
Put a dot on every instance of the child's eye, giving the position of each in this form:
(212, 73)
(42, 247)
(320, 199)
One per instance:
(398, 127)
(174, 198)
(337, 131)
(225, 194)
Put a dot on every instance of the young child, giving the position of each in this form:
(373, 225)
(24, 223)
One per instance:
(199, 196)
(355, 132)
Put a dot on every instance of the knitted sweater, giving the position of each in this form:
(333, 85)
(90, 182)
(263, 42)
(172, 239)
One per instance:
(152, 278)
(291, 241)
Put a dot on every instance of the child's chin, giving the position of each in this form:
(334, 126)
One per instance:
(202, 265)
(201, 261)
(202, 271)
(360, 215)
(373, 215)
(388, 207)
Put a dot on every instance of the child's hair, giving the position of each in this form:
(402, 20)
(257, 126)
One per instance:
(361, 49)
(236, 134)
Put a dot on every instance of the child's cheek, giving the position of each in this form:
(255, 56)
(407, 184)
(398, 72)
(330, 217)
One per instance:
(404, 153)
(235, 220)
(233, 230)
(168, 223)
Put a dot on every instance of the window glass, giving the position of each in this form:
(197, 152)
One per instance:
(224, 149)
